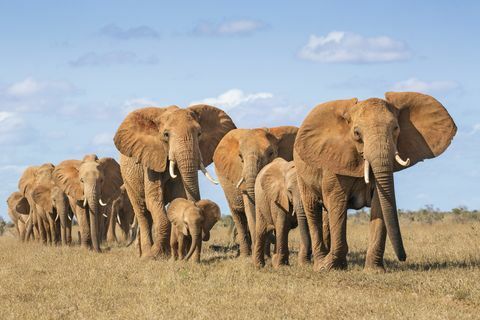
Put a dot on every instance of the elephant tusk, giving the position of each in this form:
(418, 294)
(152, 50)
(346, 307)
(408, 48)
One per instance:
(400, 161)
(118, 220)
(101, 202)
(171, 169)
(28, 219)
(239, 183)
(85, 202)
(56, 218)
(366, 172)
(69, 218)
(207, 174)
(105, 215)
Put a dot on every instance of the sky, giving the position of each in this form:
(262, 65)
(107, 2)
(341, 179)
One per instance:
(71, 71)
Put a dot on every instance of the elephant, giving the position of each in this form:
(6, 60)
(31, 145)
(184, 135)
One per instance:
(238, 159)
(42, 223)
(161, 151)
(191, 223)
(346, 152)
(90, 185)
(19, 212)
(53, 201)
(279, 208)
(121, 212)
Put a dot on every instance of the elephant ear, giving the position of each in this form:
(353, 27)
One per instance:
(324, 142)
(426, 127)
(286, 139)
(226, 157)
(211, 213)
(112, 178)
(138, 136)
(273, 183)
(66, 177)
(42, 196)
(23, 207)
(175, 213)
(27, 179)
(215, 124)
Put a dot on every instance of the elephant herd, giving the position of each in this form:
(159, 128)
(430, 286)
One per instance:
(342, 157)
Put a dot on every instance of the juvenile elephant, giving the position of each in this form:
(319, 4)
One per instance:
(89, 184)
(346, 152)
(162, 150)
(279, 208)
(19, 212)
(121, 213)
(42, 223)
(238, 159)
(191, 223)
(53, 202)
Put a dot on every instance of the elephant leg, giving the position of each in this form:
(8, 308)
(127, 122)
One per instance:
(242, 234)
(281, 233)
(377, 237)
(52, 228)
(336, 204)
(174, 245)
(68, 228)
(326, 229)
(305, 251)
(84, 226)
(260, 244)
(21, 231)
(111, 225)
(314, 221)
(249, 206)
(182, 246)
(161, 224)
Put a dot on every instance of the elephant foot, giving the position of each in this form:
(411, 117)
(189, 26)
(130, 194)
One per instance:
(278, 261)
(374, 265)
(330, 263)
(303, 258)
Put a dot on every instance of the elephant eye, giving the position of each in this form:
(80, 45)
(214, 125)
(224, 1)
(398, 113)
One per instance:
(166, 135)
(199, 133)
(81, 180)
(357, 134)
(240, 156)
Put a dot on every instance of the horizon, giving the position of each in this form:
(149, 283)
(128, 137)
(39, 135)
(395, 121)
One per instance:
(72, 72)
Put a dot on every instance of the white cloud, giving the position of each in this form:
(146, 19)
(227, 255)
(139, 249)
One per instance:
(112, 58)
(414, 84)
(229, 27)
(234, 97)
(475, 129)
(254, 110)
(102, 139)
(30, 86)
(114, 31)
(12, 128)
(340, 46)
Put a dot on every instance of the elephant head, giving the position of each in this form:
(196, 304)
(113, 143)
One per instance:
(351, 137)
(242, 153)
(185, 139)
(92, 183)
(18, 210)
(194, 219)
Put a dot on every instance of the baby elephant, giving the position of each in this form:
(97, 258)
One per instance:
(279, 208)
(191, 223)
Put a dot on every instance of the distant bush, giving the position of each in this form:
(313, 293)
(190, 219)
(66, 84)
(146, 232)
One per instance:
(3, 226)
(429, 214)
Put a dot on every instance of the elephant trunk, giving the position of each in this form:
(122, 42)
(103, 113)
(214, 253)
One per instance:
(93, 212)
(187, 161)
(382, 167)
(250, 171)
(196, 245)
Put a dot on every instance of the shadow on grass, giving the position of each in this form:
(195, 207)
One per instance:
(357, 258)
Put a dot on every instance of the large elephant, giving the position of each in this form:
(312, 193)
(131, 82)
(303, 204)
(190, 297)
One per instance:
(54, 203)
(19, 212)
(346, 152)
(279, 208)
(191, 224)
(43, 224)
(90, 184)
(157, 145)
(123, 214)
(238, 159)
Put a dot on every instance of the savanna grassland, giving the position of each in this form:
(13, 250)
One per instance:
(440, 280)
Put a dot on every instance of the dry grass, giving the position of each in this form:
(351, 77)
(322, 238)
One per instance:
(439, 281)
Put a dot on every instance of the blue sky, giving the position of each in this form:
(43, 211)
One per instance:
(71, 71)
